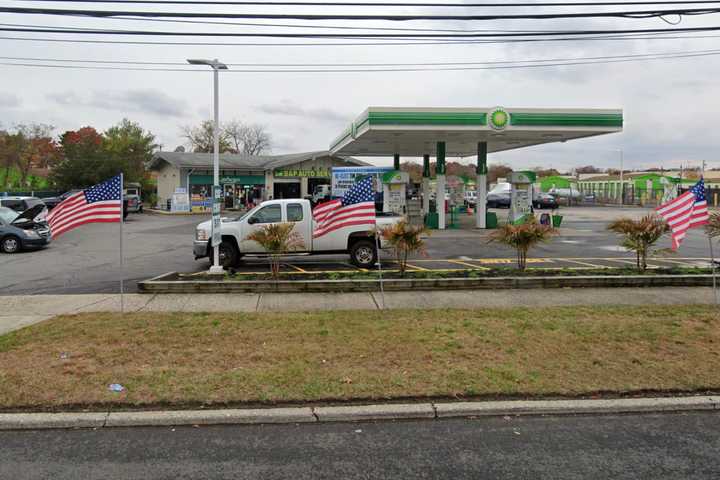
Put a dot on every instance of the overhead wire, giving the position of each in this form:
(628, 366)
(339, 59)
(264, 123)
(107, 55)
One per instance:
(388, 4)
(630, 14)
(364, 69)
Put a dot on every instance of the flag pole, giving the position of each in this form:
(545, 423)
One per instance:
(122, 269)
(377, 249)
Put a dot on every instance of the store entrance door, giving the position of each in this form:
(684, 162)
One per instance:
(286, 190)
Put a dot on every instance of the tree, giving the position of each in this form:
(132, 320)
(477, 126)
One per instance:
(201, 138)
(522, 237)
(247, 139)
(404, 239)
(640, 235)
(415, 170)
(277, 239)
(129, 147)
(83, 159)
(588, 169)
(497, 171)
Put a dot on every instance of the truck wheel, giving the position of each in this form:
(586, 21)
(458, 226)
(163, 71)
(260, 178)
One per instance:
(10, 244)
(363, 254)
(229, 255)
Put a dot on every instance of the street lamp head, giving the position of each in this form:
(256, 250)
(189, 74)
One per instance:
(214, 64)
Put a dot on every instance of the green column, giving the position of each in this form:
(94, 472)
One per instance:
(440, 156)
(426, 166)
(482, 168)
(396, 161)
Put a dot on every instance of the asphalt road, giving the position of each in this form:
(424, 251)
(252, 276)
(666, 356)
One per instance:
(671, 446)
(86, 260)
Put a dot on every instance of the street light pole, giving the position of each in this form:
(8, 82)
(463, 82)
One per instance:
(216, 65)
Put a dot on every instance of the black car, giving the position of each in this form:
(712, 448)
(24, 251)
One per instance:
(545, 200)
(52, 202)
(498, 200)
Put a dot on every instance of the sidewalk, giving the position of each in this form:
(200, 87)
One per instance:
(20, 311)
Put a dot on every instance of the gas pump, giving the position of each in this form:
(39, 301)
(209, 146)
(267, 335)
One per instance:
(394, 185)
(521, 186)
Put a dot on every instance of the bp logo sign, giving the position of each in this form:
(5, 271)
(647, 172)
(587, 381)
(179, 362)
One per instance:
(499, 118)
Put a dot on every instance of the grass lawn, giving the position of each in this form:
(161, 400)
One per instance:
(185, 359)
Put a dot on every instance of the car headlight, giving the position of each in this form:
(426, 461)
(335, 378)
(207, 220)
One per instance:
(201, 235)
(31, 234)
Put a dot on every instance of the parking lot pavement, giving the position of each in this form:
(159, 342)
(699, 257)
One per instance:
(86, 260)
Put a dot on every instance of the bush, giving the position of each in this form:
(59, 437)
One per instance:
(522, 237)
(404, 239)
(277, 239)
(640, 235)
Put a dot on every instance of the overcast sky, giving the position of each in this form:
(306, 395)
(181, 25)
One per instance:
(670, 105)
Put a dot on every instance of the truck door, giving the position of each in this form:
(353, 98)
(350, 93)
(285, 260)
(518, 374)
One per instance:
(263, 216)
(295, 214)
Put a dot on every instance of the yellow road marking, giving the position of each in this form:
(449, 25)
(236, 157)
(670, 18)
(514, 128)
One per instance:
(296, 268)
(474, 267)
(418, 268)
(583, 263)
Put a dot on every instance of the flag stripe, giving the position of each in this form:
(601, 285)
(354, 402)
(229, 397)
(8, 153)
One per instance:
(368, 221)
(113, 205)
(98, 219)
(99, 203)
(356, 208)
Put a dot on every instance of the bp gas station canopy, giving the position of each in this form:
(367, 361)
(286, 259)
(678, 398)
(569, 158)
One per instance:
(381, 131)
(462, 132)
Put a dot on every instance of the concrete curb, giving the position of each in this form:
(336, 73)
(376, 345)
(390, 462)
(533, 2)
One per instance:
(40, 421)
(161, 284)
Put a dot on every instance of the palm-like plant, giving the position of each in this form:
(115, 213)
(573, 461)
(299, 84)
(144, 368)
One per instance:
(640, 235)
(713, 226)
(277, 239)
(522, 237)
(404, 239)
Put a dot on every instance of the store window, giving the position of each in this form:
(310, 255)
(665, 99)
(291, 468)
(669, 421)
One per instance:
(294, 212)
(269, 214)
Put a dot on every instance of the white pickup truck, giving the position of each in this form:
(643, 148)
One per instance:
(355, 240)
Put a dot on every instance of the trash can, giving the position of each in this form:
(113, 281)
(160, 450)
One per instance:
(431, 220)
(557, 220)
(490, 220)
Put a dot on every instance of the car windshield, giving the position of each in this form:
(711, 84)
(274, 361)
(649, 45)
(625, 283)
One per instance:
(8, 215)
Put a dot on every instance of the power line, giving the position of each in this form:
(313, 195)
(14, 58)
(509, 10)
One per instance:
(637, 14)
(388, 42)
(394, 64)
(79, 31)
(384, 4)
(362, 70)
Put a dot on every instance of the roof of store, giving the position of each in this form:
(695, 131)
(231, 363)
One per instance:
(233, 161)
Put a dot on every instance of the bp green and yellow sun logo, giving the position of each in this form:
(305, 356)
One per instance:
(499, 118)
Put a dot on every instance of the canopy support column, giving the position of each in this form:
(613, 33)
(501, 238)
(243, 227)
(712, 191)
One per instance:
(426, 185)
(481, 185)
(440, 191)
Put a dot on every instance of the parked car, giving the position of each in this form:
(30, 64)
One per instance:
(545, 200)
(21, 230)
(20, 204)
(133, 194)
(498, 200)
(52, 202)
(356, 240)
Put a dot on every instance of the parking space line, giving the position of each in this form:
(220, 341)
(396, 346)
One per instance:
(296, 268)
(621, 260)
(420, 269)
(460, 262)
(684, 263)
(572, 260)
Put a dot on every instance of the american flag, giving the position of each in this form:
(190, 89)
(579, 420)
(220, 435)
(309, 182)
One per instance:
(687, 211)
(101, 203)
(357, 207)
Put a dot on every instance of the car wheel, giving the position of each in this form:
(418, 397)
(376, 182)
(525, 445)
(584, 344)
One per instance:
(10, 244)
(363, 254)
(229, 254)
